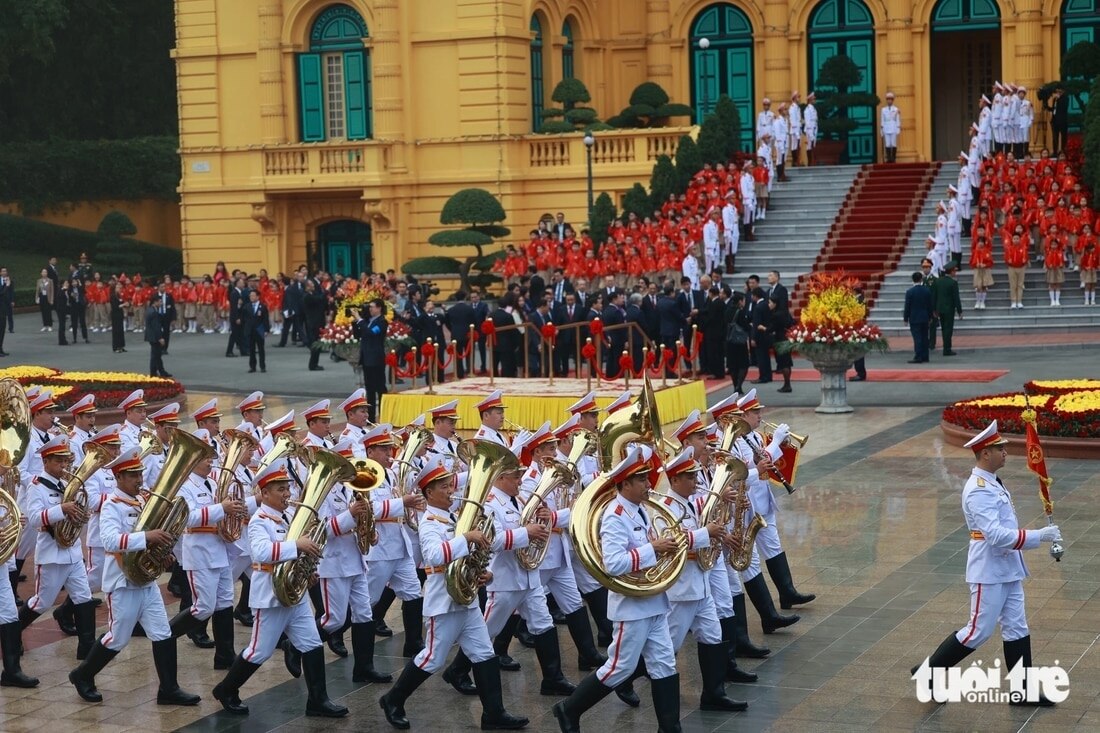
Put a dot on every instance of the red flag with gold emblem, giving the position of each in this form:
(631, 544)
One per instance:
(786, 465)
(1036, 459)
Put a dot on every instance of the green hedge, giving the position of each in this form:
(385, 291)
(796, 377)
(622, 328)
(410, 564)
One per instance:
(44, 175)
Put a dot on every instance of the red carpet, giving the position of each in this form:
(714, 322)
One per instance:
(883, 375)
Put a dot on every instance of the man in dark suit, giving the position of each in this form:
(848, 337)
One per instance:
(560, 226)
(506, 344)
(255, 330)
(761, 336)
(609, 288)
(670, 318)
(559, 285)
(293, 298)
(237, 300)
(314, 304)
(481, 312)
(539, 317)
(536, 286)
(565, 347)
(584, 298)
(929, 279)
(154, 336)
(778, 292)
(947, 304)
(458, 319)
(371, 332)
(713, 325)
(1058, 105)
(614, 315)
(166, 307)
(650, 321)
(636, 334)
(7, 296)
(917, 313)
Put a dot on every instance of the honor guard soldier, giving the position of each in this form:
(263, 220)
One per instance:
(205, 558)
(731, 231)
(11, 635)
(809, 126)
(343, 574)
(765, 120)
(889, 126)
(954, 225)
(133, 408)
(272, 430)
(1025, 116)
(129, 604)
(796, 130)
(690, 596)
(163, 420)
(995, 567)
(83, 413)
(357, 426)
(491, 410)
(742, 645)
(641, 623)
(57, 566)
(447, 622)
(391, 562)
(252, 416)
(269, 547)
(763, 501)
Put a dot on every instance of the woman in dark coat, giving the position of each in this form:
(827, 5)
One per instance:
(118, 332)
(781, 321)
(738, 327)
(61, 303)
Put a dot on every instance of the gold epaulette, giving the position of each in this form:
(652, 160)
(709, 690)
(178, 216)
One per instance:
(981, 482)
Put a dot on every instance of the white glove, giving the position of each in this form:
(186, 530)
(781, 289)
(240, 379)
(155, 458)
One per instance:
(781, 433)
(1050, 534)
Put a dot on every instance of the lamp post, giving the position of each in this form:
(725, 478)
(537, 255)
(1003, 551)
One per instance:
(589, 141)
(704, 59)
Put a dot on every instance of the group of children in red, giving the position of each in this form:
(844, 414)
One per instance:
(1039, 203)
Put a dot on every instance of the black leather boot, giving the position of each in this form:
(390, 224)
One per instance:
(228, 691)
(503, 640)
(742, 645)
(666, 703)
(1017, 651)
(164, 659)
(524, 635)
(335, 639)
(11, 643)
(549, 655)
(84, 613)
(362, 646)
(393, 702)
(26, 616)
(412, 618)
(292, 659)
(65, 617)
(588, 656)
(949, 653)
(568, 712)
(83, 677)
(780, 571)
(713, 659)
(597, 606)
(493, 714)
(457, 674)
(183, 623)
(199, 637)
(318, 704)
(770, 620)
(221, 623)
(379, 610)
(242, 612)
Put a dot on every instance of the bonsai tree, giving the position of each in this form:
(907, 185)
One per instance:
(836, 77)
(114, 252)
(1090, 145)
(720, 133)
(481, 212)
(1080, 66)
(649, 107)
(662, 182)
(603, 213)
(570, 93)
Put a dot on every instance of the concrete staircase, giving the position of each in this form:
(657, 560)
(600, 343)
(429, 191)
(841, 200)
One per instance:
(1037, 315)
(799, 216)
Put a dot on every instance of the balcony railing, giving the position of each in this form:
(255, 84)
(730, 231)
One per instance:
(612, 147)
(322, 159)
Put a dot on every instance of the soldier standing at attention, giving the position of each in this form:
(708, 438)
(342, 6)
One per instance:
(890, 128)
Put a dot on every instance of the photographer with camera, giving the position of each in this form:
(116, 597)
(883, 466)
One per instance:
(370, 328)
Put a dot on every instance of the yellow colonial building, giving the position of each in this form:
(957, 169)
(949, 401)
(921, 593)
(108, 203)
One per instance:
(332, 132)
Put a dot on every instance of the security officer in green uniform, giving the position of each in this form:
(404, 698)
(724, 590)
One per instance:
(947, 304)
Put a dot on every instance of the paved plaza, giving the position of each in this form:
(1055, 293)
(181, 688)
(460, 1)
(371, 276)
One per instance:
(875, 530)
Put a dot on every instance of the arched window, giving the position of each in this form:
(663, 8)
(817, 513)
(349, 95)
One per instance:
(537, 92)
(966, 15)
(334, 96)
(567, 70)
(725, 66)
(1080, 22)
(846, 27)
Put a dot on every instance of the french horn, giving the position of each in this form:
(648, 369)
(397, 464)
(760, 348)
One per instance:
(556, 476)
(15, 436)
(67, 531)
(416, 438)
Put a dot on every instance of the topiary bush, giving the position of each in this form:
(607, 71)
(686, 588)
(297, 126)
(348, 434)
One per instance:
(649, 107)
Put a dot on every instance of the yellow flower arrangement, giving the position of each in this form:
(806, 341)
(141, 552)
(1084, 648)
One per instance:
(1079, 402)
(834, 306)
(23, 373)
(1014, 400)
(57, 391)
(113, 377)
(1068, 383)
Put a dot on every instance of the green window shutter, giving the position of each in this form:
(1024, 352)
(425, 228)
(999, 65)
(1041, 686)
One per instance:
(311, 100)
(357, 94)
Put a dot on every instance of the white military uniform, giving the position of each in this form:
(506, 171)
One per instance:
(1012, 119)
(446, 622)
(712, 248)
(764, 123)
(9, 612)
(722, 585)
(392, 561)
(240, 561)
(486, 433)
(748, 197)
(355, 435)
(997, 121)
(343, 569)
(689, 268)
(742, 450)
(985, 130)
(954, 226)
(763, 501)
(76, 443)
(781, 135)
(513, 589)
(29, 467)
(100, 486)
(127, 603)
(691, 598)
(809, 125)
(995, 566)
(130, 434)
(939, 251)
(731, 233)
(890, 125)
(794, 115)
(1025, 116)
(55, 566)
(204, 553)
(269, 546)
(641, 624)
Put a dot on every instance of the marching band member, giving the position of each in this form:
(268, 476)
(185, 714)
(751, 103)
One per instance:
(42, 407)
(742, 645)
(318, 435)
(391, 563)
(57, 566)
(641, 628)
(209, 419)
(129, 604)
(491, 410)
(269, 547)
(99, 486)
(252, 416)
(995, 567)
(444, 424)
(163, 419)
(133, 408)
(357, 425)
(11, 635)
(205, 559)
(83, 413)
(240, 562)
(447, 622)
(343, 574)
(272, 430)
(690, 596)
(318, 421)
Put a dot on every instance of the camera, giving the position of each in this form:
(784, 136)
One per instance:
(429, 288)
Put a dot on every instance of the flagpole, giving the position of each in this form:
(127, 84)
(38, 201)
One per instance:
(1039, 468)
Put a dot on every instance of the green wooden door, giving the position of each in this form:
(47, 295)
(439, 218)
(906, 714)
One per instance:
(346, 247)
(725, 67)
(338, 257)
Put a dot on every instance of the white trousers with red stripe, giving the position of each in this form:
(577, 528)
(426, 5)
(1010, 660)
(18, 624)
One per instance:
(529, 604)
(336, 593)
(647, 638)
(399, 575)
(465, 627)
(8, 610)
(269, 624)
(211, 590)
(128, 606)
(767, 540)
(720, 593)
(699, 617)
(563, 584)
(95, 569)
(50, 579)
(991, 603)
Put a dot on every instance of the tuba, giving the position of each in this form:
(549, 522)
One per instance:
(418, 436)
(228, 485)
(555, 475)
(369, 475)
(487, 460)
(639, 423)
(163, 509)
(67, 532)
(15, 436)
(291, 579)
(285, 446)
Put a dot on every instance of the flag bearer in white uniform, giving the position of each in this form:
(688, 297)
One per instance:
(691, 597)
(129, 604)
(269, 547)
(57, 566)
(995, 567)
(628, 545)
(448, 623)
(491, 410)
(204, 556)
(890, 128)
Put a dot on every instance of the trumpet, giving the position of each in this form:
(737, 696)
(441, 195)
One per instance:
(796, 441)
(512, 429)
(62, 428)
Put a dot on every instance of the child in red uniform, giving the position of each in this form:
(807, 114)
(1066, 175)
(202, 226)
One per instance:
(981, 261)
(1088, 259)
(1054, 260)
